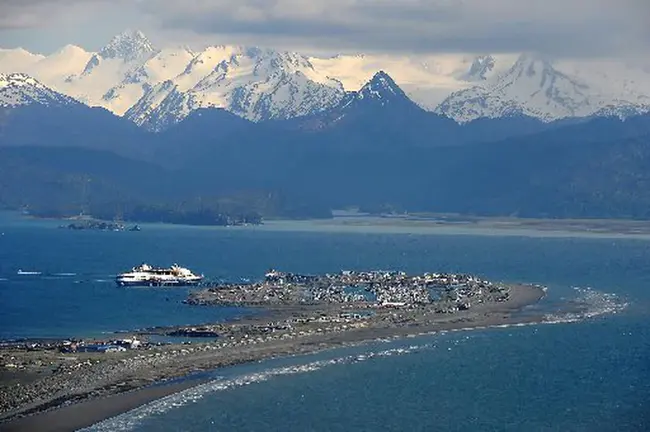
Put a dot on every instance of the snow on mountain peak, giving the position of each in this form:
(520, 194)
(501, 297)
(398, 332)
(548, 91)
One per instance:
(532, 86)
(17, 80)
(381, 87)
(254, 83)
(130, 75)
(21, 89)
(128, 45)
(379, 92)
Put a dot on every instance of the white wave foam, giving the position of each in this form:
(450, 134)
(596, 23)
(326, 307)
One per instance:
(591, 304)
(130, 420)
(21, 272)
(64, 274)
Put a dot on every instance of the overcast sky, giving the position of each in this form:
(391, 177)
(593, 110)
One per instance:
(585, 28)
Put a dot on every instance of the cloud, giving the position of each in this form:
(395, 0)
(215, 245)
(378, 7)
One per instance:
(15, 14)
(35, 14)
(557, 27)
(591, 28)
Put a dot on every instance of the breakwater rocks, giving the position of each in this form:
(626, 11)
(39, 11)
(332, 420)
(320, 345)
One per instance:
(367, 289)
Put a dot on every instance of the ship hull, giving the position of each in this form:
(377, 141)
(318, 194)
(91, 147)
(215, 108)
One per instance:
(148, 276)
(156, 283)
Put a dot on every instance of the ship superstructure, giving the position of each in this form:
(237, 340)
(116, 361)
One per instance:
(147, 275)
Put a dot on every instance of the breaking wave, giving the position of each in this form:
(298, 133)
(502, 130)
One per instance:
(132, 419)
(589, 303)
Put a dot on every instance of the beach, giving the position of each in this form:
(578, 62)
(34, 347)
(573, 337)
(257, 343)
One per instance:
(105, 385)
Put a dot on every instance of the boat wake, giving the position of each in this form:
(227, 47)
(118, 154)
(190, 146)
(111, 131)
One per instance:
(45, 275)
(589, 303)
(77, 278)
(28, 273)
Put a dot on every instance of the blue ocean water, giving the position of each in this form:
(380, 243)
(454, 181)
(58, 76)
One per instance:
(590, 375)
(571, 377)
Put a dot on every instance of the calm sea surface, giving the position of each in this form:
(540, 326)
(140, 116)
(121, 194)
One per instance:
(589, 375)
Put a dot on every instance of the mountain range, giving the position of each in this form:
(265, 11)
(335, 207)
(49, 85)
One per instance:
(374, 149)
(182, 138)
(158, 87)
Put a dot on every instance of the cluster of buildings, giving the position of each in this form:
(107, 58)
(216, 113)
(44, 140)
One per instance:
(364, 288)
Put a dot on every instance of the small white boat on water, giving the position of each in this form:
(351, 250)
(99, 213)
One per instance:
(147, 275)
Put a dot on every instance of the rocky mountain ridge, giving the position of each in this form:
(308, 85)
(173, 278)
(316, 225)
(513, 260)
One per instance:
(158, 87)
(19, 89)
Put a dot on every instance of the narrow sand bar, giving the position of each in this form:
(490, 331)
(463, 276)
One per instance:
(122, 382)
(84, 414)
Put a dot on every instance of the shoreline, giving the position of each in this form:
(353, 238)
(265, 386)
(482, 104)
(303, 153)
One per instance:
(110, 394)
(479, 226)
(432, 223)
(90, 412)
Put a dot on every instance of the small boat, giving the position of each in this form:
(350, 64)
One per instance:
(147, 275)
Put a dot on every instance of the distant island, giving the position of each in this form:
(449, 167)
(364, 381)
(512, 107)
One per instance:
(99, 225)
(103, 219)
(102, 225)
(98, 211)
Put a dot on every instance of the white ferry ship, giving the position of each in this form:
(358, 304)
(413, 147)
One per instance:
(146, 275)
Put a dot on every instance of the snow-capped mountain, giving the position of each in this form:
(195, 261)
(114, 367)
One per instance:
(253, 83)
(378, 95)
(380, 92)
(20, 89)
(127, 46)
(119, 74)
(623, 110)
(426, 79)
(379, 115)
(139, 77)
(533, 86)
(161, 86)
(157, 87)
